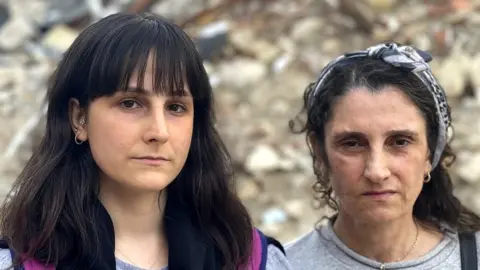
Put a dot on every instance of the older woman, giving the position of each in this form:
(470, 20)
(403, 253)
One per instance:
(377, 129)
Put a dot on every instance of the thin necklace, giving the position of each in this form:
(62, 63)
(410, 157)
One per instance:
(413, 246)
(126, 257)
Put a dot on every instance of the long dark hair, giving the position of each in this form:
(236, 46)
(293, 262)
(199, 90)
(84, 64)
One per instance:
(436, 204)
(51, 201)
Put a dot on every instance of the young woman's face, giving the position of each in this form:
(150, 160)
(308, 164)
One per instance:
(376, 144)
(139, 138)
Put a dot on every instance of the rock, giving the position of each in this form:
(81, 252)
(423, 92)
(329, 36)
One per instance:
(271, 229)
(304, 28)
(382, 5)
(248, 43)
(380, 34)
(247, 189)
(177, 9)
(212, 39)
(281, 63)
(473, 75)
(303, 160)
(360, 12)
(468, 168)
(263, 159)
(331, 46)
(264, 129)
(241, 72)
(452, 74)
(12, 82)
(296, 208)
(274, 216)
(4, 14)
(474, 202)
(65, 11)
(15, 32)
(59, 39)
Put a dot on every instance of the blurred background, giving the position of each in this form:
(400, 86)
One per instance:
(260, 55)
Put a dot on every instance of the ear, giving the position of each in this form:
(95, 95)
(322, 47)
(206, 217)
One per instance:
(428, 164)
(78, 120)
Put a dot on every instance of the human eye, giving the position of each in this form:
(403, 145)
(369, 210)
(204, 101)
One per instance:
(350, 144)
(177, 108)
(129, 104)
(401, 142)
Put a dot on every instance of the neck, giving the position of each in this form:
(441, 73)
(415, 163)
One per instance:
(137, 218)
(383, 241)
(136, 215)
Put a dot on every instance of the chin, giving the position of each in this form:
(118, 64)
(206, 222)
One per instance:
(378, 215)
(148, 182)
(151, 184)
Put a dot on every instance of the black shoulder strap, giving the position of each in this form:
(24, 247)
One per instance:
(273, 241)
(468, 251)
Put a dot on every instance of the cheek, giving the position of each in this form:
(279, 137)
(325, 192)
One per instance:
(410, 176)
(181, 133)
(345, 171)
(411, 165)
(109, 140)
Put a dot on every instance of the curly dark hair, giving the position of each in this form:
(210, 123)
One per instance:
(99, 63)
(436, 203)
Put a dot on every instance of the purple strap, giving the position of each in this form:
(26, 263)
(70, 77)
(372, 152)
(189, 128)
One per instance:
(32, 264)
(256, 257)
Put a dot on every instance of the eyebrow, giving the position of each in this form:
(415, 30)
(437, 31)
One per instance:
(355, 134)
(403, 132)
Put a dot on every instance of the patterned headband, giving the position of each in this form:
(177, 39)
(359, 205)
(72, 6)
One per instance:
(409, 59)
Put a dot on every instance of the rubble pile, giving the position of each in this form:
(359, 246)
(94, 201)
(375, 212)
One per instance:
(260, 55)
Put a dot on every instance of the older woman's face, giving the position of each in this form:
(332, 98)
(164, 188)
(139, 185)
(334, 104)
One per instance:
(377, 150)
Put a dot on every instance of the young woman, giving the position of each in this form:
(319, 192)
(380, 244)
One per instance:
(131, 172)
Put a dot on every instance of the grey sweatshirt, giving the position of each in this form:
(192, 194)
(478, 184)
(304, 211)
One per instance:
(275, 261)
(322, 249)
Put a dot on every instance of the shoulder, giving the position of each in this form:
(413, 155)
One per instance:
(276, 259)
(308, 250)
(306, 242)
(273, 253)
(5, 258)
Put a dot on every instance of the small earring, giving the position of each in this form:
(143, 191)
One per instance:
(77, 141)
(427, 178)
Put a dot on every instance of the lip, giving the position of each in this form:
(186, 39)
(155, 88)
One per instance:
(383, 194)
(152, 160)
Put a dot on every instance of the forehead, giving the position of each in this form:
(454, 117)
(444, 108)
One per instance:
(387, 109)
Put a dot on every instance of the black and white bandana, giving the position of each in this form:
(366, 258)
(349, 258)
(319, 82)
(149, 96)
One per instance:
(406, 58)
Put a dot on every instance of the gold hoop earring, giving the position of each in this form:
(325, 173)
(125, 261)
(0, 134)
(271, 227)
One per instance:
(77, 141)
(427, 178)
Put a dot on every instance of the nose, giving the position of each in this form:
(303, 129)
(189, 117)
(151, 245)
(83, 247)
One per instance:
(156, 126)
(376, 167)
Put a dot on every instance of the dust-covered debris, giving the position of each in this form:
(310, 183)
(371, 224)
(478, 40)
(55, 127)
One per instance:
(260, 56)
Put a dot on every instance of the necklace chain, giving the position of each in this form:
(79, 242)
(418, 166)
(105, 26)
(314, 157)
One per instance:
(413, 245)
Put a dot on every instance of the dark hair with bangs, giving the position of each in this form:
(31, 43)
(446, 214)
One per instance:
(53, 196)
